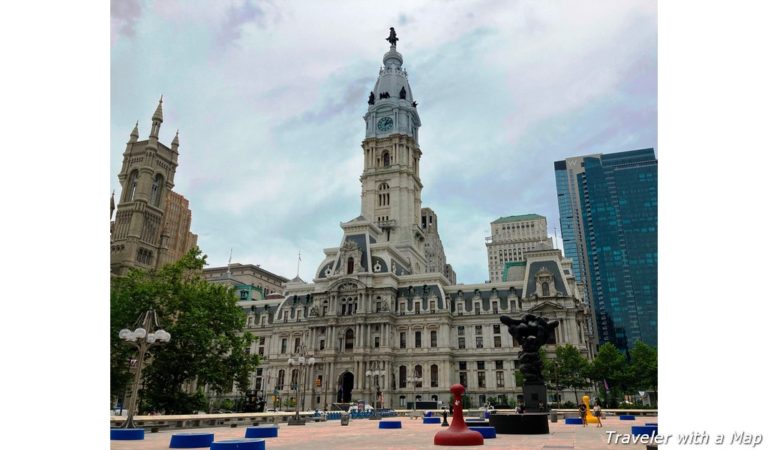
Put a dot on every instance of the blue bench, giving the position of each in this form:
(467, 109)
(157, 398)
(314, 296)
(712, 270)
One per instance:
(431, 420)
(627, 417)
(640, 430)
(390, 424)
(487, 432)
(476, 421)
(263, 431)
(240, 444)
(126, 434)
(191, 440)
(573, 421)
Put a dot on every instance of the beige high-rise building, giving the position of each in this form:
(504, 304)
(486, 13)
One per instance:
(151, 226)
(510, 238)
(176, 223)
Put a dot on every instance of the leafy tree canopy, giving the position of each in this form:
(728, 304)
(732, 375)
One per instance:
(571, 366)
(207, 344)
(643, 367)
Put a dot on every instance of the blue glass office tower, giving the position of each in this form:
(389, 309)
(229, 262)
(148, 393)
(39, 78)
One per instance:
(608, 216)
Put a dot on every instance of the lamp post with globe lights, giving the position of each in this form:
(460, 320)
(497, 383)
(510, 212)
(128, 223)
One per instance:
(302, 362)
(146, 335)
(414, 381)
(374, 375)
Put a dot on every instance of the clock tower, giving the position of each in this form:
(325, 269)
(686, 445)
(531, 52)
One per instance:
(391, 188)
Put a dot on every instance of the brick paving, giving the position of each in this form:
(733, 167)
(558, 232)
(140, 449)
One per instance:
(365, 434)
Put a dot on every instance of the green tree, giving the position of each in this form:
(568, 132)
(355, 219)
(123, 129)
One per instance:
(569, 368)
(643, 367)
(572, 368)
(207, 343)
(610, 366)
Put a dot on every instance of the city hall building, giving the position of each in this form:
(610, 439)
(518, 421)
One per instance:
(384, 312)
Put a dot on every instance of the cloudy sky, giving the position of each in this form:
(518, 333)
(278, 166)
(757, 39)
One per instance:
(269, 96)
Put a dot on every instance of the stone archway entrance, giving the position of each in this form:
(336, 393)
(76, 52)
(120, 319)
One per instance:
(346, 382)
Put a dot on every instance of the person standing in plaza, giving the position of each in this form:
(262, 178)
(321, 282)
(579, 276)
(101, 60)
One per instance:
(598, 411)
(583, 414)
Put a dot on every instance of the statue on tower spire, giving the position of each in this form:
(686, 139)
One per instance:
(392, 37)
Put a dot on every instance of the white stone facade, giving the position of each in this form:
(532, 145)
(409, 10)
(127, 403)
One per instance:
(381, 299)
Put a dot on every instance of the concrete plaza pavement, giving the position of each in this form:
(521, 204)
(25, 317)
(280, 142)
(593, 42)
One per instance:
(363, 433)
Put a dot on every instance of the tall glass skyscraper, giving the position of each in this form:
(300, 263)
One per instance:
(609, 216)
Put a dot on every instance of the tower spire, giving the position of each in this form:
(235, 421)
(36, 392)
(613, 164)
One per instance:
(159, 111)
(157, 119)
(135, 133)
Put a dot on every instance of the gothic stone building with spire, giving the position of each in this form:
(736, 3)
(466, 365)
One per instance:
(151, 226)
(384, 312)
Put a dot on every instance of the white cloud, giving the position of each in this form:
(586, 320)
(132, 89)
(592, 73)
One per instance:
(270, 111)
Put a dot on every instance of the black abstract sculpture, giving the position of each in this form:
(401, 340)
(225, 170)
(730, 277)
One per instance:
(392, 36)
(371, 98)
(531, 332)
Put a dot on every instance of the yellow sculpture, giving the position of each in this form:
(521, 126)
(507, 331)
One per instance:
(590, 417)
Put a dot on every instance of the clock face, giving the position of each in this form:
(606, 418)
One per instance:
(385, 124)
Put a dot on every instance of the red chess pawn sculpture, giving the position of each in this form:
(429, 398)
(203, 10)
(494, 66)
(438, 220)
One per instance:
(458, 433)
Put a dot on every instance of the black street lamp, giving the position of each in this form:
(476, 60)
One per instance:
(143, 337)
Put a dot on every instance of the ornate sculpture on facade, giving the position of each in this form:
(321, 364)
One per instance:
(402, 93)
(392, 37)
(371, 98)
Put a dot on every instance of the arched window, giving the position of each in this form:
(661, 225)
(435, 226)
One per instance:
(157, 189)
(417, 375)
(294, 378)
(385, 158)
(350, 265)
(402, 377)
(545, 289)
(349, 340)
(418, 339)
(433, 375)
(280, 379)
(132, 182)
